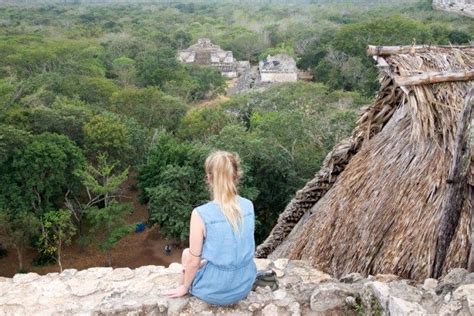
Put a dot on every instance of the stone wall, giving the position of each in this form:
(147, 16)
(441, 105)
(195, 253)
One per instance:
(302, 291)
(464, 7)
(278, 77)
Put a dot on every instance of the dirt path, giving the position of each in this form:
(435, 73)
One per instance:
(134, 250)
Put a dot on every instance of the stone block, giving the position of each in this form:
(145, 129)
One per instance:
(120, 274)
(398, 306)
(330, 298)
(262, 264)
(25, 277)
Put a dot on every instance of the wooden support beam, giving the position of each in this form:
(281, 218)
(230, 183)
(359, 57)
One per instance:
(434, 77)
(381, 62)
(470, 196)
(409, 49)
(456, 186)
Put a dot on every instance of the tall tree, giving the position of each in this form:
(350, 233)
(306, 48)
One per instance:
(16, 230)
(124, 69)
(103, 211)
(150, 106)
(37, 175)
(107, 135)
(59, 230)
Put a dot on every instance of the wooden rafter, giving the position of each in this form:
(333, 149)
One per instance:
(409, 49)
(434, 77)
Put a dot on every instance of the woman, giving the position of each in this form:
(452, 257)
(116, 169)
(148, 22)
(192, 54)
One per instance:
(218, 266)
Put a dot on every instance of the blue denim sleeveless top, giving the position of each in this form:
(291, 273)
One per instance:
(229, 271)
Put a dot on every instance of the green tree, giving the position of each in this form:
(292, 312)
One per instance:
(7, 92)
(93, 90)
(59, 230)
(353, 39)
(281, 48)
(150, 106)
(109, 225)
(171, 202)
(16, 230)
(209, 82)
(103, 212)
(172, 181)
(11, 139)
(124, 69)
(37, 175)
(107, 134)
(200, 123)
(247, 46)
(459, 37)
(273, 34)
(117, 45)
(182, 39)
(60, 56)
(140, 139)
(65, 116)
(353, 74)
(155, 67)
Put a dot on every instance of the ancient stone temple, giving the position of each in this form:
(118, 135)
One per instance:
(278, 68)
(464, 7)
(206, 53)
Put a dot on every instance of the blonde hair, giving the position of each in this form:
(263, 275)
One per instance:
(223, 171)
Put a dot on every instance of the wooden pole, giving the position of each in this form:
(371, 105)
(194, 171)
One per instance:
(434, 77)
(409, 49)
(456, 184)
(470, 194)
(381, 62)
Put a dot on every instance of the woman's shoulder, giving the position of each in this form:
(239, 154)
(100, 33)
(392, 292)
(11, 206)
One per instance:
(246, 202)
(204, 207)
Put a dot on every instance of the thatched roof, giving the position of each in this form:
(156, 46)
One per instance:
(382, 201)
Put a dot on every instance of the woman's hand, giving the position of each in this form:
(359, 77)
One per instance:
(177, 292)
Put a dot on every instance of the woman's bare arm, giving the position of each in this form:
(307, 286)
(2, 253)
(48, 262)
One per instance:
(196, 240)
(192, 261)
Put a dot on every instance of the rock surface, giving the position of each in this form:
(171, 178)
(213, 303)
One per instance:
(463, 7)
(303, 290)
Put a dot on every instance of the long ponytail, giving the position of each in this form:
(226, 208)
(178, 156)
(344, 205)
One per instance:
(223, 171)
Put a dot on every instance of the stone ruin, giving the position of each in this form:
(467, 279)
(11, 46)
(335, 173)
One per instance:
(303, 290)
(205, 53)
(278, 68)
(463, 7)
(274, 69)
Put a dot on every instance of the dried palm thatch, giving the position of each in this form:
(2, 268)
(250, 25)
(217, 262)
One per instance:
(396, 197)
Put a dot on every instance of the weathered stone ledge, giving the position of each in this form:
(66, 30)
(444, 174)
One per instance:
(303, 291)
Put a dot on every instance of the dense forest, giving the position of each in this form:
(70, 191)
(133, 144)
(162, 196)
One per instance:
(91, 95)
